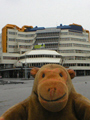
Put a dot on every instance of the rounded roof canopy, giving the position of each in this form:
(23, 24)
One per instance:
(41, 59)
(41, 52)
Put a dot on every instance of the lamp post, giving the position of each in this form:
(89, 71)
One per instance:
(62, 60)
(25, 67)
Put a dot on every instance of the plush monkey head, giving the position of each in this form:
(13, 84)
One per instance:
(52, 85)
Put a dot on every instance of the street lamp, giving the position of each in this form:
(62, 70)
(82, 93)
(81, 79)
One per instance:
(25, 67)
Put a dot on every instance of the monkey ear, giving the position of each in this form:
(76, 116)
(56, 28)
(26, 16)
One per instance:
(34, 71)
(1, 118)
(71, 73)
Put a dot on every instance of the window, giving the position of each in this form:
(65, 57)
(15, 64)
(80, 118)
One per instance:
(64, 33)
(10, 58)
(11, 39)
(12, 46)
(65, 45)
(66, 51)
(21, 35)
(12, 33)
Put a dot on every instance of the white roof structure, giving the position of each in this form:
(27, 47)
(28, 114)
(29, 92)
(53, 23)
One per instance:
(40, 59)
(41, 52)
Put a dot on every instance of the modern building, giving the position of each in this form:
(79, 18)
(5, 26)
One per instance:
(89, 36)
(49, 38)
(71, 42)
(39, 58)
(21, 64)
(16, 40)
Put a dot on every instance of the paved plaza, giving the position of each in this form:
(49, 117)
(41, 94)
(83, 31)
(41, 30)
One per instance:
(11, 94)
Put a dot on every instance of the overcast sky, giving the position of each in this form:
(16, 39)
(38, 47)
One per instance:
(45, 13)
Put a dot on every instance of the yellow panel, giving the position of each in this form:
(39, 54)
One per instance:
(4, 38)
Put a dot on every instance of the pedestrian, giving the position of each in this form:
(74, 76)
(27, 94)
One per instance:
(28, 75)
(17, 75)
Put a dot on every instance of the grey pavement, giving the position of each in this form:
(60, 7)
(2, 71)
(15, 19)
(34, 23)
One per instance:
(11, 94)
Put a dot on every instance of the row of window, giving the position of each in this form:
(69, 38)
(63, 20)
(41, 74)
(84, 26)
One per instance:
(80, 45)
(75, 58)
(40, 56)
(69, 58)
(74, 64)
(66, 51)
(65, 45)
(77, 39)
(20, 46)
(82, 51)
(73, 39)
(23, 46)
(20, 40)
(80, 58)
(52, 47)
(74, 51)
(11, 39)
(10, 58)
(21, 35)
(38, 64)
(74, 45)
(78, 34)
(66, 65)
(47, 40)
(48, 34)
(12, 33)
(25, 41)
(55, 56)
(83, 64)
(13, 46)
(73, 33)
(52, 44)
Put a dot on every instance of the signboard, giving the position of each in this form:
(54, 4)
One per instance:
(40, 45)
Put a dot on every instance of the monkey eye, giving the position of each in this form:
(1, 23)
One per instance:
(61, 75)
(43, 75)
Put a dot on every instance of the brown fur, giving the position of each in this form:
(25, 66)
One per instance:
(51, 82)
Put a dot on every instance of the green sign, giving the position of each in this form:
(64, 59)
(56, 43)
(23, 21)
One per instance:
(39, 46)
